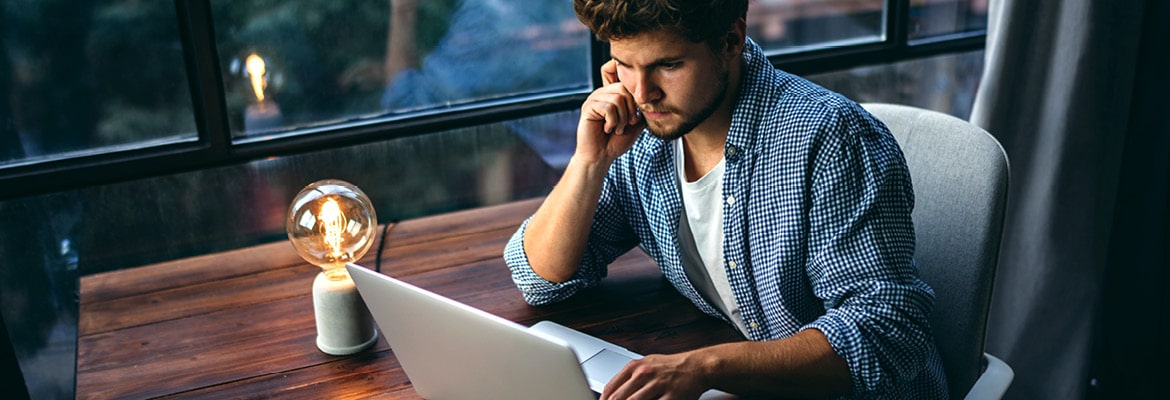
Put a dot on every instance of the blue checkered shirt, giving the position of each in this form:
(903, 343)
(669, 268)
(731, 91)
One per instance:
(817, 229)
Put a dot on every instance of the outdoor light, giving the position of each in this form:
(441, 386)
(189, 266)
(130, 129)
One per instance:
(331, 223)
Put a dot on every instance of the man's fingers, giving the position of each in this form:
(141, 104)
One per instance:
(617, 388)
(613, 109)
(609, 77)
(615, 118)
(609, 73)
(632, 381)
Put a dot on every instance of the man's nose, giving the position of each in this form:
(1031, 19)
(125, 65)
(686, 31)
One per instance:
(645, 90)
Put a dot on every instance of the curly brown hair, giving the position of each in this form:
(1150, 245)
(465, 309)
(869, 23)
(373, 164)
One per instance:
(696, 20)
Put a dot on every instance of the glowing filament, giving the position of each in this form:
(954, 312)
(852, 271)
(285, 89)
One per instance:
(333, 223)
(256, 70)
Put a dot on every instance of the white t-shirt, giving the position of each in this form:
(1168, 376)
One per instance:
(701, 237)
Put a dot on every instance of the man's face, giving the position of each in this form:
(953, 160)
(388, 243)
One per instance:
(677, 84)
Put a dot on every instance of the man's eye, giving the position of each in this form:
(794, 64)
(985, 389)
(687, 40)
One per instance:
(670, 65)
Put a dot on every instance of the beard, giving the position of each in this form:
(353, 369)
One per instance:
(693, 120)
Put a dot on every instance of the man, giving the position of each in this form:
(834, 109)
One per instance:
(773, 204)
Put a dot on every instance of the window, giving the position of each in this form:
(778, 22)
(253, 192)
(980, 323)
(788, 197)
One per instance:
(787, 26)
(933, 18)
(80, 78)
(305, 63)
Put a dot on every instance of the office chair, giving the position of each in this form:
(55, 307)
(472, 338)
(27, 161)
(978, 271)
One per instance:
(960, 176)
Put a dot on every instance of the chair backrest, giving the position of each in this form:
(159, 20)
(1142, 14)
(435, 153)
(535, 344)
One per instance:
(960, 177)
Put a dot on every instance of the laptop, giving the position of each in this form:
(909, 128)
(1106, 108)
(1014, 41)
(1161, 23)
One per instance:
(450, 350)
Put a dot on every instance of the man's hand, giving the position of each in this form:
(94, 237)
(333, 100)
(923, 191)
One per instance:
(609, 121)
(657, 376)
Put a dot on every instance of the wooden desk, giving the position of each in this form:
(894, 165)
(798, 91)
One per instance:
(240, 324)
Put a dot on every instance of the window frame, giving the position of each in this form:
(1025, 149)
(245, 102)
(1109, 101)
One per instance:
(215, 146)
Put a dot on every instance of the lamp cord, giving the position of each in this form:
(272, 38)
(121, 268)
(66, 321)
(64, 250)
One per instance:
(382, 245)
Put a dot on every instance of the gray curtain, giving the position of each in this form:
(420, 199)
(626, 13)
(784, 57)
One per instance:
(1072, 89)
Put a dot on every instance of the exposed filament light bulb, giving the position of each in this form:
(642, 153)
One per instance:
(331, 223)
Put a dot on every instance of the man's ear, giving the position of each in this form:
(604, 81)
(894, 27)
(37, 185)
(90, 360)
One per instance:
(734, 41)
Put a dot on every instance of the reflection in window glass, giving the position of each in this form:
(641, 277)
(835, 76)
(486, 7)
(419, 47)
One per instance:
(81, 77)
(291, 64)
(783, 26)
(941, 17)
(945, 83)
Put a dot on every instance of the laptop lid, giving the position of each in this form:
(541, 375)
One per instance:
(450, 350)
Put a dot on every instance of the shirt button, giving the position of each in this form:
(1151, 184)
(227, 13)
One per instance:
(731, 150)
(754, 325)
(731, 200)
(732, 264)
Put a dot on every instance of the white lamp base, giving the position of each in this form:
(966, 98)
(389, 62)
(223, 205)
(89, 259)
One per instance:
(344, 324)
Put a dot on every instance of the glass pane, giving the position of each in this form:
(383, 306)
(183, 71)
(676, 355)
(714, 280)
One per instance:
(941, 17)
(321, 62)
(945, 83)
(90, 76)
(784, 26)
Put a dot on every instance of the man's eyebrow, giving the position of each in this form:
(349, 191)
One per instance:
(657, 62)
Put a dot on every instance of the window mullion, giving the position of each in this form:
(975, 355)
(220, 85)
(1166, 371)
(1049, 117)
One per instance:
(205, 77)
(898, 24)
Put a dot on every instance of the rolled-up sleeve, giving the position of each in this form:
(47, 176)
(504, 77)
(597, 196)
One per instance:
(536, 289)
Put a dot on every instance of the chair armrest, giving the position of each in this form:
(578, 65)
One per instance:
(994, 381)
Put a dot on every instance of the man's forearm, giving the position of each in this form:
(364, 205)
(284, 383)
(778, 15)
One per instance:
(801, 366)
(555, 238)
